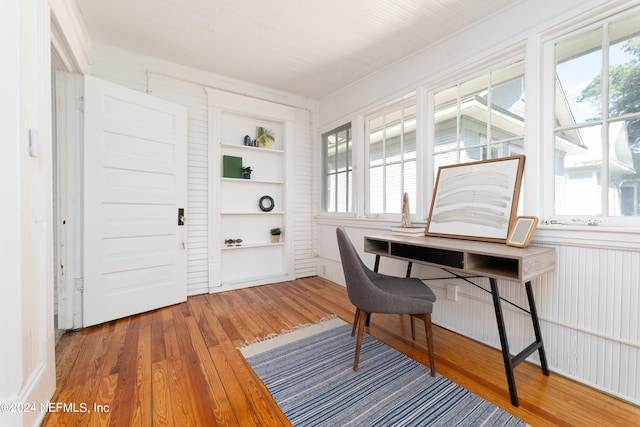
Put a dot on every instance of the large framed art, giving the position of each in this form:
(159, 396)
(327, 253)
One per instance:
(477, 200)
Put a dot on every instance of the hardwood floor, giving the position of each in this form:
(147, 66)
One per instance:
(180, 365)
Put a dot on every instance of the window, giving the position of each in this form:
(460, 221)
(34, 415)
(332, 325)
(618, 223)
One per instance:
(338, 170)
(480, 118)
(391, 141)
(596, 125)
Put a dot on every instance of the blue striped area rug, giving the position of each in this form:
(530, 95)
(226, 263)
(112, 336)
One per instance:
(309, 373)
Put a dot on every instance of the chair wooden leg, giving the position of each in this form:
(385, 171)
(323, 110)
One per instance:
(355, 322)
(361, 321)
(413, 327)
(432, 359)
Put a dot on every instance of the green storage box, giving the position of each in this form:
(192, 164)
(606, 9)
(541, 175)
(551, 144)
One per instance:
(231, 167)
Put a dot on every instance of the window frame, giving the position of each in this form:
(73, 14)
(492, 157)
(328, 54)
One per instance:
(488, 72)
(350, 188)
(414, 202)
(488, 69)
(549, 128)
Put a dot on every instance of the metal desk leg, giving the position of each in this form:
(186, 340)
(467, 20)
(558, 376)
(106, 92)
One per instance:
(510, 363)
(409, 269)
(504, 342)
(536, 329)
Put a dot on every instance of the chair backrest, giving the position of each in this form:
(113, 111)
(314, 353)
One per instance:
(356, 274)
(365, 293)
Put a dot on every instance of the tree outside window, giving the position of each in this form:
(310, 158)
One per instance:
(597, 126)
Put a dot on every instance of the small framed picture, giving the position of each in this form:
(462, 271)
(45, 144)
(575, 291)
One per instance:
(522, 231)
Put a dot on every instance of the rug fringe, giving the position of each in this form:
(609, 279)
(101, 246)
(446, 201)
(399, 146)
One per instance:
(286, 331)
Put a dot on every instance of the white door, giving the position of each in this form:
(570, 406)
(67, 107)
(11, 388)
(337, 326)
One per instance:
(134, 186)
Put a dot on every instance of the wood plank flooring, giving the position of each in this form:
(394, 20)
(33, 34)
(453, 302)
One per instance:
(179, 366)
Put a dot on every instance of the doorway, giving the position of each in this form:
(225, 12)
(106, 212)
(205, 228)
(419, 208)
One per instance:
(67, 118)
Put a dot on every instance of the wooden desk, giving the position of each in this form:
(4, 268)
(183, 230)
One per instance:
(466, 259)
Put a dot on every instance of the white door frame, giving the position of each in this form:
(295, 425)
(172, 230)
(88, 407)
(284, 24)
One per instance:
(68, 206)
(70, 53)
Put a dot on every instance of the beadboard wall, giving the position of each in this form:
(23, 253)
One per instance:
(186, 87)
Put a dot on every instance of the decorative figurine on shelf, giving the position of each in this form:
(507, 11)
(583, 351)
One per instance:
(406, 215)
(275, 235)
(231, 242)
(247, 140)
(246, 172)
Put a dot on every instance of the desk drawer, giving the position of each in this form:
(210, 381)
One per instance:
(436, 256)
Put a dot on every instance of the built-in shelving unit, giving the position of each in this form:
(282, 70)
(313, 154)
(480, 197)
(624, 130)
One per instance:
(237, 213)
(234, 207)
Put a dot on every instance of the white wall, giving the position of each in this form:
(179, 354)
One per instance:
(589, 307)
(27, 366)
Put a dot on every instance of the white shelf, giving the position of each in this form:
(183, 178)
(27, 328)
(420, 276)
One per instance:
(252, 213)
(251, 181)
(251, 281)
(251, 245)
(250, 148)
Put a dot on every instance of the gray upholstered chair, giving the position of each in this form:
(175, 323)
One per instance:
(372, 292)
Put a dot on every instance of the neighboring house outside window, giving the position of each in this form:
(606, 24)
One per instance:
(337, 170)
(480, 118)
(391, 147)
(596, 125)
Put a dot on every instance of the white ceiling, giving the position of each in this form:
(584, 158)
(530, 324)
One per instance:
(305, 47)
